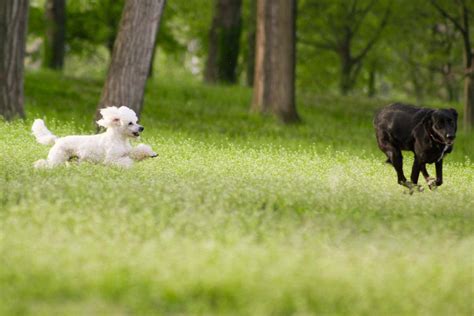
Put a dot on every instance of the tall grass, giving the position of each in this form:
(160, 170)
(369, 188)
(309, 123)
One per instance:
(239, 215)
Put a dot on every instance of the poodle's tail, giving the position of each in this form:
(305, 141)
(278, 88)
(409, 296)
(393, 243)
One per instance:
(42, 134)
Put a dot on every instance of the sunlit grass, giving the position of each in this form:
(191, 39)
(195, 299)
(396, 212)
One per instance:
(239, 214)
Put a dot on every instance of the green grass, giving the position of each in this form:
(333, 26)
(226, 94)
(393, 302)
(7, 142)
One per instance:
(239, 216)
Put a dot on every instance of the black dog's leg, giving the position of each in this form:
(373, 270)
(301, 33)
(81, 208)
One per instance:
(415, 171)
(439, 172)
(424, 171)
(415, 174)
(429, 180)
(397, 162)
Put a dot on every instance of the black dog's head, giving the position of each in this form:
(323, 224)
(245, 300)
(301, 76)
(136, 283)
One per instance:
(443, 125)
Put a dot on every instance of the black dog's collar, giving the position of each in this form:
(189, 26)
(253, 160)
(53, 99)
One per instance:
(437, 140)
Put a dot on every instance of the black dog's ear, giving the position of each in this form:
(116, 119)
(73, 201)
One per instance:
(454, 112)
(427, 120)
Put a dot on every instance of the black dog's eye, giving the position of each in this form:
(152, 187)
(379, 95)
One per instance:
(130, 123)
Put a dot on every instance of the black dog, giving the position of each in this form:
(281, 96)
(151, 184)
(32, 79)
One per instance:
(428, 133)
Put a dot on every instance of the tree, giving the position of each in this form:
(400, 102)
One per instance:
(55, 35)
(132, 53)
(461, 23)
(274, 83)
(341, 32)
(13, 26)
(224, 40)
(251, 33)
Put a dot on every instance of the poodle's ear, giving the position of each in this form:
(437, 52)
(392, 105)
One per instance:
(108, 122)
(115, 121)
(110, 117)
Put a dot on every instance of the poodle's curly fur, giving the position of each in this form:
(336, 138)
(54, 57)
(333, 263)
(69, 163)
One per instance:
(111, 147)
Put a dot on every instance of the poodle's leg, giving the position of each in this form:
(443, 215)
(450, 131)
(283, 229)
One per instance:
(124, 162)
(142, 152)
(42, 163)
(56, 156)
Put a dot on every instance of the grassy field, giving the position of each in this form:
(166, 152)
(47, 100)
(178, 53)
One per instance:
(238, 216)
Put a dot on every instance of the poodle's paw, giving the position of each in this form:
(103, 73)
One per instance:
(142, 152)
(40, 164)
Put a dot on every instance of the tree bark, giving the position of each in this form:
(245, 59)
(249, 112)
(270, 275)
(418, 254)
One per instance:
(450, 84)
(13, 26)
(55, 35)
(371, 91)
(251, 42)
(345, 84)
(469, 96)
(224, 42)
(274, 83)
(469, 73)
(132, 53)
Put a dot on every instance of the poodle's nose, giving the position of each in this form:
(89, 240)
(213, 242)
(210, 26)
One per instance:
(141, 128)
(450, 136)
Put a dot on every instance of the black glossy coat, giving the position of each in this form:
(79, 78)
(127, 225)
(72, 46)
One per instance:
(428, 133)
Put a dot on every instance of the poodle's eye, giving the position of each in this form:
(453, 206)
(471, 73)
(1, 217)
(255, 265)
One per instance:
(130, 123)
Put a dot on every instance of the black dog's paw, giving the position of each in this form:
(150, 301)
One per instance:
(432, 183)
(412, 187)
(408, 184)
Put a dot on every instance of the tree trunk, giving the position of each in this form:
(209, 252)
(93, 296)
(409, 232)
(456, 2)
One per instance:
(469, 101)
(133, 49)
(462, 26)
(347, 67)
(111, 19)
(153, 55)
(110, 43)
(55, 35)
(371, 85)
(13, 26)
(416, 82)
(224, 40)
(251, 42)
(345, 84)
(469, 74)
(450, 84)
(274, 83)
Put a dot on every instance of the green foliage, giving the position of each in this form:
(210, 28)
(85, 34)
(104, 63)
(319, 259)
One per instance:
(417, 55)
(92, 23)
(239, 215)
(347, 30)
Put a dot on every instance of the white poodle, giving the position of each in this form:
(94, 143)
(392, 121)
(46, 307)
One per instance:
(111, 147)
